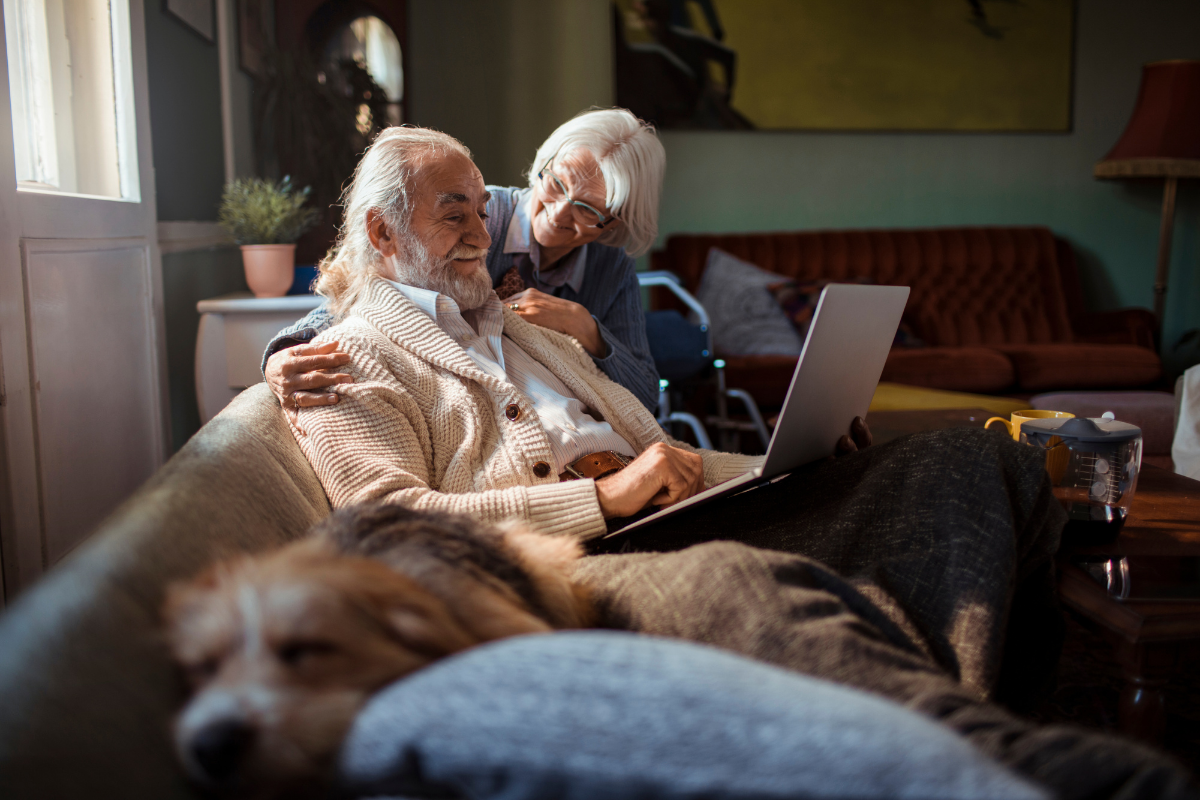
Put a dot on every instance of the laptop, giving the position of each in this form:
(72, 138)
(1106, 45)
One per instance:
(848, 341)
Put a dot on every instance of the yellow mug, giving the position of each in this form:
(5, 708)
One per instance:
(1021, 417)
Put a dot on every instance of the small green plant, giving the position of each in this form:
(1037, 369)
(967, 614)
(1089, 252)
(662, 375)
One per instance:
(256, 211)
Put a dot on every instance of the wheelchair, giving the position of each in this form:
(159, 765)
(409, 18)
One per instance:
(684, 357)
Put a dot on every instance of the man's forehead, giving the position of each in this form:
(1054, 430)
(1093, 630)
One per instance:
(453, 178)
(449, 198)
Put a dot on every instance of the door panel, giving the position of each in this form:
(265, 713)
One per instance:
(83, 388)
(95, 378)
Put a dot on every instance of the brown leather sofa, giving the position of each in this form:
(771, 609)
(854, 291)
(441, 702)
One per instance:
(1000, 309)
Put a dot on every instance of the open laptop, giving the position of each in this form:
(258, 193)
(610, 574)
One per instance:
(848, 341)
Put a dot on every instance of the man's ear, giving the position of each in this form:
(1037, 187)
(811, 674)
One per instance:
(380, 234)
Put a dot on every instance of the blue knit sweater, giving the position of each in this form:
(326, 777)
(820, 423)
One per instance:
(609, 291)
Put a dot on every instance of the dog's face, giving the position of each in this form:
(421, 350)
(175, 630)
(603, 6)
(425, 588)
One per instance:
(281, 652)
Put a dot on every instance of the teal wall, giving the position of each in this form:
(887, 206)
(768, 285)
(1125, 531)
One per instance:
(766, 181)
(501, 75)
(189, 168)
(185, 117)
(189, 277)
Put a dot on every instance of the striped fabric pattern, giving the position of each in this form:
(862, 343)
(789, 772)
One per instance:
(571, 431)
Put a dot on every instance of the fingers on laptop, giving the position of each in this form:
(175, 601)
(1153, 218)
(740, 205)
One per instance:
(861, 433)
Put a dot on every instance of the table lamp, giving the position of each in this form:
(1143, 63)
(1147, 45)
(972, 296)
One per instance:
(1162, 140)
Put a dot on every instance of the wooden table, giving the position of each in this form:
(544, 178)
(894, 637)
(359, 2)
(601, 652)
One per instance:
(1149, 638)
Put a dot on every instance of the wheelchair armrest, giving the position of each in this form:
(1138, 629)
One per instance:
(671, 282)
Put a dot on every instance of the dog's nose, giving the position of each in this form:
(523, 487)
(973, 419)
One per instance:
(220, 747)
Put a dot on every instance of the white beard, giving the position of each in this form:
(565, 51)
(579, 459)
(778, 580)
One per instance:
(414, 265)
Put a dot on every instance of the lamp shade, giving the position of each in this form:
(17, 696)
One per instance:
(1162, 138)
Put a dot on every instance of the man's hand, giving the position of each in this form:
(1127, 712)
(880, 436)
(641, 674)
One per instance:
(297, 373)
(662, 475)
(859, 438)
(560, 315)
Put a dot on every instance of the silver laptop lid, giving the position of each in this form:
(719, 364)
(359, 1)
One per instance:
(848, 341)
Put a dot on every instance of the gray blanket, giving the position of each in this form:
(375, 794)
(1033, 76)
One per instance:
(921, 570)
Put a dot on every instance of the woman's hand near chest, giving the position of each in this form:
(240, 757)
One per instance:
(560, 315)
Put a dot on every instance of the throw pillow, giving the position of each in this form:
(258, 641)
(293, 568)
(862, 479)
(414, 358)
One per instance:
(799, 301)
(745, 319)
(602, 714)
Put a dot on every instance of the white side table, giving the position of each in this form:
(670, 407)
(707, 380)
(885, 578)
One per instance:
(234, 332)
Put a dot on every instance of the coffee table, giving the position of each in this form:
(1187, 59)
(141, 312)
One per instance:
(1150, 638)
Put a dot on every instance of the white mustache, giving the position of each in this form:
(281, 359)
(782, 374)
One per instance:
(462, 252)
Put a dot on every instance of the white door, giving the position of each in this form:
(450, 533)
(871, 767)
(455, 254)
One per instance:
(82, 350)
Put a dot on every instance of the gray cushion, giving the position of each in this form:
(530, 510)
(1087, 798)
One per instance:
(745, 318)
(602, 714)
(86, 690)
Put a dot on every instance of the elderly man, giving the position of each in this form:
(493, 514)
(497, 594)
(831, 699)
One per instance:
(921, 570)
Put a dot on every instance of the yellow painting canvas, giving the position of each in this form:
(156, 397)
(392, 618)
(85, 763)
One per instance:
(951, 65)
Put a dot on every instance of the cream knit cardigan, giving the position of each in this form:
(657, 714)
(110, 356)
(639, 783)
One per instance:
(422, 426)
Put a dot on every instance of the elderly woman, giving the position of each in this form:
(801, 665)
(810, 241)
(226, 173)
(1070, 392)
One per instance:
(565, 245)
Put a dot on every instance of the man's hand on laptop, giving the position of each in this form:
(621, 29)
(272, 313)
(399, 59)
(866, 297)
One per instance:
(662, 475)
(859, 438)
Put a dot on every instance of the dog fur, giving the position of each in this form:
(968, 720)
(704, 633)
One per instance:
(281, 650)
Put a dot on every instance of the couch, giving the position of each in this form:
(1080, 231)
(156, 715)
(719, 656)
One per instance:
(1000, 309)
(87, 692)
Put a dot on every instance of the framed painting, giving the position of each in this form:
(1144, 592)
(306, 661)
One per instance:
(852, 65)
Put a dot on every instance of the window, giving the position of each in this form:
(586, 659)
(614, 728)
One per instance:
(71, 86)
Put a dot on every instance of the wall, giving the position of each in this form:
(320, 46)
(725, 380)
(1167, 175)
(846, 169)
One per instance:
(718, 181)
(189, 165)
(501, 75)
(185, 117)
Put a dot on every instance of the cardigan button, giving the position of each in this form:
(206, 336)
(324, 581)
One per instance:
(541, 469)
(513, 412)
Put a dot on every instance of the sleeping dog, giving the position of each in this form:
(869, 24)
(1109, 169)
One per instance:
(281, 650)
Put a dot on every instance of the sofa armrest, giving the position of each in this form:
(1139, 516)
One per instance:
(1122, 326)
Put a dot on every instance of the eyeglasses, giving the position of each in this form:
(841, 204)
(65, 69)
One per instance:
(556, 192)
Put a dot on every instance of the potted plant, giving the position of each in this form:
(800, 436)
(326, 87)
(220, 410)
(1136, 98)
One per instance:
(266, 218)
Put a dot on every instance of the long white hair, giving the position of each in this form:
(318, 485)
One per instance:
(632, 161)
(382, 182)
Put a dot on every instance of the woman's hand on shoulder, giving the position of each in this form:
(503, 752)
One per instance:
(559, 315)
(298, 374)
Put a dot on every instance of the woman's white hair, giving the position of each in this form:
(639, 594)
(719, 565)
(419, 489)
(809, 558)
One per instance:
(383, 181)
(632, 161)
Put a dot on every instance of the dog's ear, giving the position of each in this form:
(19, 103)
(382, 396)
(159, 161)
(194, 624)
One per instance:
(428, 631)
(417, 619)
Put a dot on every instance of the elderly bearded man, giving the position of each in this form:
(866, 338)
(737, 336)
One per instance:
(902, 566)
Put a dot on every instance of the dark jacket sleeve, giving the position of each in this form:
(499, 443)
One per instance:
(623, 328)
(303, 330)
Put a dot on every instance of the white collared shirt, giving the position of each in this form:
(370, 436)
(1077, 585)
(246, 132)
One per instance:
(573, 433)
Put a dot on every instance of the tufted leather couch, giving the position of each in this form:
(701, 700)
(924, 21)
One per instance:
(1000, 309)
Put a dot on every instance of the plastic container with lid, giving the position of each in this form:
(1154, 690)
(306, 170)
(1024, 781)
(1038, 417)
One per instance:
(1093, 466)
